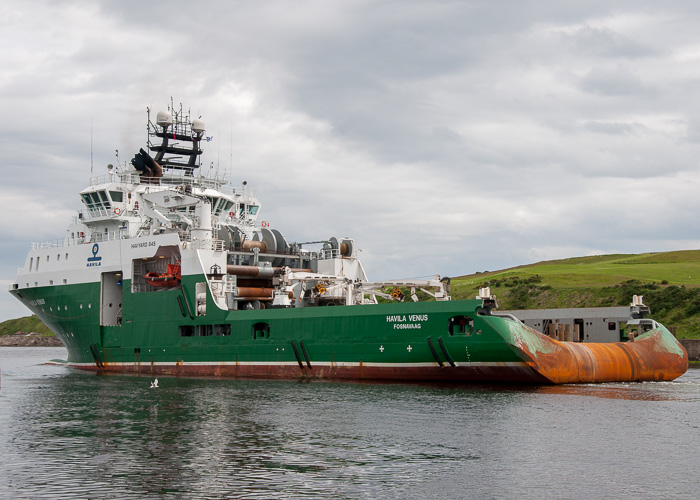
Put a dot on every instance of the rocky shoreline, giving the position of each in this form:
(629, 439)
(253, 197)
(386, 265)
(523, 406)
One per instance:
(29, 340)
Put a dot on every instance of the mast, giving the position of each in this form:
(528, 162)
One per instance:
(179, 148)
(91, 164)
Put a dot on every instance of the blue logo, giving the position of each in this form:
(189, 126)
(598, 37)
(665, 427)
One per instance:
(94, 260)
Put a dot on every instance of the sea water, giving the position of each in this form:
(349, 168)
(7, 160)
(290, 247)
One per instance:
(70, 434)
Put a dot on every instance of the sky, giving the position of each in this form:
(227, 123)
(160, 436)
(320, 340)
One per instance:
(445, 137)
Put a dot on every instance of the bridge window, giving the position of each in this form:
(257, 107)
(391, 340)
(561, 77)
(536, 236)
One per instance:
(222, 206)
(105, 201)
(97, 200)
(88, 201)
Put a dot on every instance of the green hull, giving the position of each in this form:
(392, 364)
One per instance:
(159, 334)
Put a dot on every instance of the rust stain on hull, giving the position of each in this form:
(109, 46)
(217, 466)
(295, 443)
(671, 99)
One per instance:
(520, 374)
(655, 356)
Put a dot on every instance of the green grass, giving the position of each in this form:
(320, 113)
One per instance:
(676, 268)
(26, 324)
(669, 282)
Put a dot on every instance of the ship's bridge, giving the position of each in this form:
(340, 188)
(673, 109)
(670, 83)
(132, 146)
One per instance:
(101, 202)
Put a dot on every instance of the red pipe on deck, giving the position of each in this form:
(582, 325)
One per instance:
(246, 291)
(251, 271)
(263, 272)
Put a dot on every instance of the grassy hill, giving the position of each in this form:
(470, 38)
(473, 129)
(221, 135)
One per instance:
(25, 325)
(669, 282)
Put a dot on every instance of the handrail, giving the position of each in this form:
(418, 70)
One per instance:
(166, 180)
(111, 236)
(40, 245)
(94, 238)
(329, 253)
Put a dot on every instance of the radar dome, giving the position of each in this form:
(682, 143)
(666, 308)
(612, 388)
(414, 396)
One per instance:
(198, 125)
(164, 119)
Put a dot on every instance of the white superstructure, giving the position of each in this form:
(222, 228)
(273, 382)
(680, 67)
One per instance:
(155, 220)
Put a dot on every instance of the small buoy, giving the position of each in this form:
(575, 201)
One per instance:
(154, 384)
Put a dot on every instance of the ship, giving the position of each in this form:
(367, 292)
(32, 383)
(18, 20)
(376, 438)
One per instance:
(167, 271)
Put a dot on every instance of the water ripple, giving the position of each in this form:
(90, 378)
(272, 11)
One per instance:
(75, 435)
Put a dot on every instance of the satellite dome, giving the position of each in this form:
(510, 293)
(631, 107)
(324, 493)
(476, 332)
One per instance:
(164, 119)
(198, 125)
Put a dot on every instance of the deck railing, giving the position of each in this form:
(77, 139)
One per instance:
(166, 180)
(94, 238)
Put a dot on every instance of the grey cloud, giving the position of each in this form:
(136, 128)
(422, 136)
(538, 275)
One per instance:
(615, 82)
(445, 137)
(607, 43)
(693, 130)
(613, 128)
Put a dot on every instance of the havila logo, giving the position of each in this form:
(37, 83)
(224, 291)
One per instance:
(94, 260)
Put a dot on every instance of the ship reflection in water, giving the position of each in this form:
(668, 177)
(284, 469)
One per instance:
(72, 434)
